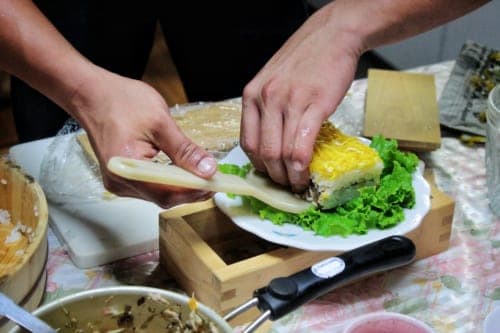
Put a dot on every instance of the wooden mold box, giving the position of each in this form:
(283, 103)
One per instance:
(222, 265)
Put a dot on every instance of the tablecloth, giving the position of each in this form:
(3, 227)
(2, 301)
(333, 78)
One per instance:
(452, 292)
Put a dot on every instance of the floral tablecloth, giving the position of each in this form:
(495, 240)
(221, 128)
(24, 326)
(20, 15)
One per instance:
(452, 292)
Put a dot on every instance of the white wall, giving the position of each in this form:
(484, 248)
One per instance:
(444, 43)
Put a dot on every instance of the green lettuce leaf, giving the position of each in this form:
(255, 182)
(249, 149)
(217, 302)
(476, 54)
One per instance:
(235, 169)
(380, 206)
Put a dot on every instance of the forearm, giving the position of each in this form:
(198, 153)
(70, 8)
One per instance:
(379, 22)
(33, 50)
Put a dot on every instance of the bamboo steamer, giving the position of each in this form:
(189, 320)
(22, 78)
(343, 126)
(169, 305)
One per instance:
(23, 251)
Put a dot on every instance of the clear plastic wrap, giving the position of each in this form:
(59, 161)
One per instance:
(348, 116)
(67, 175)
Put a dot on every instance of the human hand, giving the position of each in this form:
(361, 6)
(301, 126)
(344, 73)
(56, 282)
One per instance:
(125, 117)
(286, 102)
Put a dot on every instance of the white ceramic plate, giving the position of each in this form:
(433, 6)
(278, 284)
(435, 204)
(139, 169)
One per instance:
(294, 236)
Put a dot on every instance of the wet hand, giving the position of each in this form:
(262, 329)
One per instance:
(285, 104)
(129, 118)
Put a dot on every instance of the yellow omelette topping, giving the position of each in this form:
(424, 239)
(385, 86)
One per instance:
(336, 154)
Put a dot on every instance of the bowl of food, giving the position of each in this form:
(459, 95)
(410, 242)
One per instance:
(23, 237)
(126, 309)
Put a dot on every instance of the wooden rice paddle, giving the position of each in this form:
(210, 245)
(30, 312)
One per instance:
(253, 185)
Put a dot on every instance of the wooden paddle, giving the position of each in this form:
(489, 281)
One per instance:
(253, 185)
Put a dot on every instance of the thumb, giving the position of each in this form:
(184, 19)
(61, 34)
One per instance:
(185, 153)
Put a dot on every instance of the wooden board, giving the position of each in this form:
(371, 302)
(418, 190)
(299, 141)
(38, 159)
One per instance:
(403, 106)
(222, 264)
(84, 142)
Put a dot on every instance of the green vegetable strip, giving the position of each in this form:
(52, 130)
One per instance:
(376, 207)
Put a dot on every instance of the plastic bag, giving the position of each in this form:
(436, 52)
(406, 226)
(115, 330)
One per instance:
(463, 102)
(67, 174)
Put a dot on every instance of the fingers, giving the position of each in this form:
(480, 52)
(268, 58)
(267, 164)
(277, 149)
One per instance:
(162, 195)
(305, 133)
(271, 138)
(279, 138)
(170, 196)
(250, 128)
(184, 152)
(296, 164)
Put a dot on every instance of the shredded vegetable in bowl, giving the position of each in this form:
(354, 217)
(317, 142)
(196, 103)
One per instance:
(116, 313)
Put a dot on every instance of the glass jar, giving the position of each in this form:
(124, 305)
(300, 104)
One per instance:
(493, 149)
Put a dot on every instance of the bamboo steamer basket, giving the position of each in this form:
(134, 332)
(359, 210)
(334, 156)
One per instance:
(23, 258)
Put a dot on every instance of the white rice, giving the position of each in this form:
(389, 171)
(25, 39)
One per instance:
(14, 236)
(4, 216)
(19, 229)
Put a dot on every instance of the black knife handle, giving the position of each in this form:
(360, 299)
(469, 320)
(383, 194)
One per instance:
(284, 294)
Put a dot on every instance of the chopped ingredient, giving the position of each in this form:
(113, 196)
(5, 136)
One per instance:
(192, 303)
(13, 236)
(148, 314)
(4, 216)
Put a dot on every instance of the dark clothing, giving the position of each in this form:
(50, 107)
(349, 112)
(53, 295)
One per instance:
(217, 46)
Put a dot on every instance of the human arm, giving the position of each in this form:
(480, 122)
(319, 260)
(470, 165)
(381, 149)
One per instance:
(122, 116)
(304, 82)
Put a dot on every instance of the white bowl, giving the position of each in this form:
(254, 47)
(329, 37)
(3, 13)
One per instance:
(94, 306)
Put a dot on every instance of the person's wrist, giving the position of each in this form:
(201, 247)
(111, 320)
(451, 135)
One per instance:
(362, 25)
(85, 93)
(346, 30)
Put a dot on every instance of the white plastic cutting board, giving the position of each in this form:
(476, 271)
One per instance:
(99, 232)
